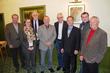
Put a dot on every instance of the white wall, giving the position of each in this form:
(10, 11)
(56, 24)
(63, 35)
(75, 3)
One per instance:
(1, 6)
(99, 8)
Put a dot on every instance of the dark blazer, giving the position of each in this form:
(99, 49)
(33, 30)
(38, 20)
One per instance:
(57, 26)
(12, 37)
(96, 48)
(72, 42)
(40, 22)
(84, 27)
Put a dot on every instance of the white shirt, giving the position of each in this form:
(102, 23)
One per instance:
(60, 28)
(36, 21)
(16, 27)
(69, 30)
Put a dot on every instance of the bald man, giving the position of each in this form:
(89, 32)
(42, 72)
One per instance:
(47, 35)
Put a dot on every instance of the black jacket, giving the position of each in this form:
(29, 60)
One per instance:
(72, 42)
(57, 26)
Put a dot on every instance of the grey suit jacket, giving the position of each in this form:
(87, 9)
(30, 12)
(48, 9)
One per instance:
(44, 35)
(96, 48)
(12, 37)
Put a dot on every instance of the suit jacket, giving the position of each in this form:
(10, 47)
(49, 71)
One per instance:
(12, 37)
(57, 26)
(96, 48)
(84, 27)
(72, 42)
(40, 22)
(44, 35)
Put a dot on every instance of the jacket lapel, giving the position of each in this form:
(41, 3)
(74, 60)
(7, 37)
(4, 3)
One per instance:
(93, 37)
(86, 37)
(13, 28)
(57, 27)
(70, 32)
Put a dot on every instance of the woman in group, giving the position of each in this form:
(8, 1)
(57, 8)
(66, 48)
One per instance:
(28, 43)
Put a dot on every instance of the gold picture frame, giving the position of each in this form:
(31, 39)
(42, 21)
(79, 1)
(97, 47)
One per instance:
(25, 12)
(75, 11)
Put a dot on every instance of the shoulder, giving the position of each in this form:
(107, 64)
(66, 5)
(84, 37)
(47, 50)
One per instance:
(8, 25)
(76, 28)
(21, 25)
(40, 20)
(64, 22)
(56, 23)
(52, 26)
(102, 31)
(42, 26)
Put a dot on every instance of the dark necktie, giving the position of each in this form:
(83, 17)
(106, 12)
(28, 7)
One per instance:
(35, 26)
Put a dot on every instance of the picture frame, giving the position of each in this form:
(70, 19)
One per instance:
(75, 11)
(25, 12)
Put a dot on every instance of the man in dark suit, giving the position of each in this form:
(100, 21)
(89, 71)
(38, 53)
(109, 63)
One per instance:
(94, 47)
(60, 25)
(35, 21)
(35, 25)
(13, 33)
(84, 26)
(71, 45)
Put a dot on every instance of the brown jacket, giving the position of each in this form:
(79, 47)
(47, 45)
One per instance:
(96, 48)
(12, 37)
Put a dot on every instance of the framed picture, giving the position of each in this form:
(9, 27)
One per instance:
(25, 12)
(75, 11)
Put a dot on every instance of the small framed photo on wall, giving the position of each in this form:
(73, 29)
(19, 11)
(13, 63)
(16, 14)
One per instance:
(75, 11)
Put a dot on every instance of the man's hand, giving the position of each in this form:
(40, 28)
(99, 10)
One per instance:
(76, 52)
(62, 50)
(30, 48)
(47, 43)
(11, 46)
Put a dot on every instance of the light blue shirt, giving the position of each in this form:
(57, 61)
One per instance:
(69, 30)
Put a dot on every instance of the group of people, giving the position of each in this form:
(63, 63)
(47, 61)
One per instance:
(36, 35)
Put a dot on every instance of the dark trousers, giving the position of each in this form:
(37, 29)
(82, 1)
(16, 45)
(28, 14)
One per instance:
(37, 51)
(58, 45)
(81, 67)
(17, 52)
(30, 60)
(90, 67)
(70, 63)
